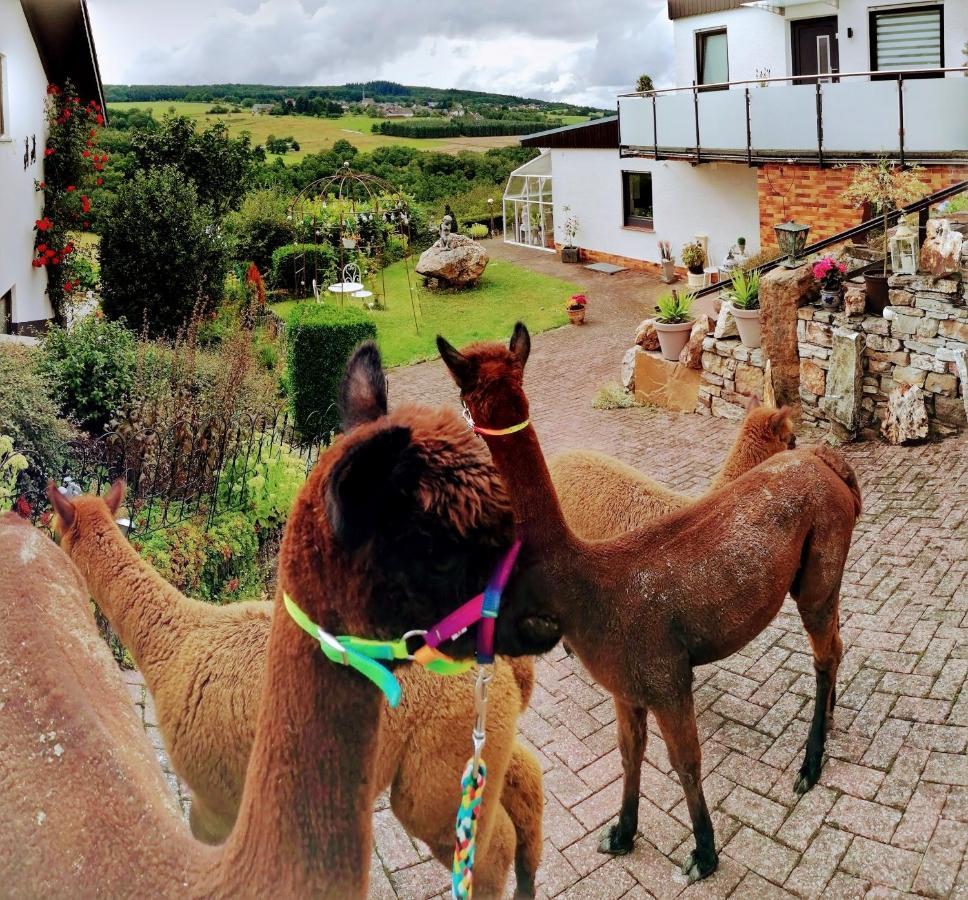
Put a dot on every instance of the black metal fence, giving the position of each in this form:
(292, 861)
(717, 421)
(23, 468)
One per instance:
(187, 469)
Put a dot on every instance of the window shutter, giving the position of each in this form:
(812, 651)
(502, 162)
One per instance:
(908, 40)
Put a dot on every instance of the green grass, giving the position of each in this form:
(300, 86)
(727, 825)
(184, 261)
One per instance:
(505, 294)
(313, 134)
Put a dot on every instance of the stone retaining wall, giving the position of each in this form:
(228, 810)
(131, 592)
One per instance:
(731, 374)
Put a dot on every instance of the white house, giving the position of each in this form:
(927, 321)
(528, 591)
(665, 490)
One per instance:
(774, 98)
(41, 42)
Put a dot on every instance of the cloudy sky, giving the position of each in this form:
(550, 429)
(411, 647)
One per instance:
(574, 50)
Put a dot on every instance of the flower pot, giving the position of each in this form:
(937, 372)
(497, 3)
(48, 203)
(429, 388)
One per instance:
(570, 254)
(668, 271)
(831, 299)
(672, 338)
(697, 279)
(577, 316)
(748, 325)
(876, 286)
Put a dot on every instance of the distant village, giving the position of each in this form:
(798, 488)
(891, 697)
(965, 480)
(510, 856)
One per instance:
(367, 105)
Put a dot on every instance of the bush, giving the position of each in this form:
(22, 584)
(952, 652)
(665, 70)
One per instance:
(321, 339)
(477, 231)
(260, 226)
(162, 253)
(321, 264)
(90, 369)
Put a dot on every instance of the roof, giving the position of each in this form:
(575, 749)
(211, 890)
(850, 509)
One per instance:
(679, 9)
(61, 30)
(599, 134)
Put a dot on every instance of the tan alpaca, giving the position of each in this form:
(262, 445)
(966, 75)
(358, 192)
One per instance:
(602, 497)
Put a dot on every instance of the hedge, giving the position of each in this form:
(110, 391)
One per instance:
(440, 128)
(321, 264)
(321, 338)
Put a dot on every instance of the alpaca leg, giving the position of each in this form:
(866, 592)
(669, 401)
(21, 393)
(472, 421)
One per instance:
(678, 727)
(523, 798)
(632, 733)
(822, 622)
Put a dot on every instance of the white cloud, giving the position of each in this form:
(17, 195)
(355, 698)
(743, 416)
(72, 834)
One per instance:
(564, 50)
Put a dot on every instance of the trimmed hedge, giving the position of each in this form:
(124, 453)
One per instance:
(321, 338)
(321, 264)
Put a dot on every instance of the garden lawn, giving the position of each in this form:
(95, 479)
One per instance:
(505, 294)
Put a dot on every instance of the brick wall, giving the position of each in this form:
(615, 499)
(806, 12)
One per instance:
(812, 195)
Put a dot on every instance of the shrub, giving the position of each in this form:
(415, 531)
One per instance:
(321, 339)
(162, 253)
(674, 308)
(477, 231)
(744, 290)
(321, 263)
(260, 226)
(613, 396)
(90, 369)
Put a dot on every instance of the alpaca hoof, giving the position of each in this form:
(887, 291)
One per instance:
(614, 842)
(698, 865)
(808, 776)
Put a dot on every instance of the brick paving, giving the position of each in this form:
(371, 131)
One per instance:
(889, 817)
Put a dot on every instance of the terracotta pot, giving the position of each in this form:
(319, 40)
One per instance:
(577, 316)
(668, 271)
(876, 286)
(672, 338)
(748, 325)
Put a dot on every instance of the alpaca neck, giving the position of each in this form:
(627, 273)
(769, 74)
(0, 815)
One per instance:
(744, 454)
(537, 514)
(304, 824)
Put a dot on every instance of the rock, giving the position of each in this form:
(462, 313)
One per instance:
(691, 355)
(855, 302)
(461, 263)
(941, 384)
(955, 330)
(628, 367)
(812, 377)
(908, 375)
(844, 381)
(646, 336)
(725, 322)
(769, 396)
(907, 415)
(941, 250)
(782, 292)
(749, 381)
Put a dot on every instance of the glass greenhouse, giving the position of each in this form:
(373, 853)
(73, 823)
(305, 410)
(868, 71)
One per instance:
(528, 207)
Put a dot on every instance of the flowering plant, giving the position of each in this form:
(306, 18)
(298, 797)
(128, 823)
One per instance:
(576, 302)
(665, 251)
(829, 273)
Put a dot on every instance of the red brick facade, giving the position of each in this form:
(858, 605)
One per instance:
(811, 195)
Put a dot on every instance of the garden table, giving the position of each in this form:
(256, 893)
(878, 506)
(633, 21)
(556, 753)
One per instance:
(345, 287)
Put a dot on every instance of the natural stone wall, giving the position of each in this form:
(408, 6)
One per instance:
(731, 374)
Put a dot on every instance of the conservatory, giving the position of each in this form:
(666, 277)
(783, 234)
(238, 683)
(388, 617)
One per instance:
(528, 207)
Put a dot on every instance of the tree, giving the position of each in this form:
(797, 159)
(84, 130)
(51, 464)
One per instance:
(219, 166)
(644, 83)
(162, 253)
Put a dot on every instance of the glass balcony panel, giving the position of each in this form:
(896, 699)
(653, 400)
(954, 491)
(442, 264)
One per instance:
(676, 120)
(722, 120)
(635, 121)
(860, 117)
(784, 118)
(936, 115)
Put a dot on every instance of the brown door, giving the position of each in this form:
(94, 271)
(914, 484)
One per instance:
(815, 49)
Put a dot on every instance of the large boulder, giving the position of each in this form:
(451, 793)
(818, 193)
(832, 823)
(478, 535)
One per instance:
(646, 336)
(691, 354)
(941, 250)
(461, 262)
(907, 415)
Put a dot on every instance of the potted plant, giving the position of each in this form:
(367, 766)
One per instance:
(694, 259)
(886, 187)
(743, 295)
(673, 323)
(576, 309)
(569, 252)
(830, 274)
(668, 264)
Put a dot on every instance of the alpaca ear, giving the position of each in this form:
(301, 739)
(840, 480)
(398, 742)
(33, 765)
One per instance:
(781, 424)
(363, 390)
(371, 485)
(520, 344)
(62, 505)
(462, 369)
(115, 496)
(753, 402)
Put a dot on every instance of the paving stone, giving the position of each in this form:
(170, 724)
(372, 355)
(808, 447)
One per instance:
(765, 857)
(862, 817)
(887, 865)
(818, 863)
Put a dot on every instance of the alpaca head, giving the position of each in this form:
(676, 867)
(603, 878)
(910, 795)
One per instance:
(491, 378)
(79, 518)
(403, 519)
(766, 430)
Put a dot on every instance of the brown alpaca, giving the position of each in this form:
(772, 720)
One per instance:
(641, 610)
(602, 497)
(84, 806)
(204, 665)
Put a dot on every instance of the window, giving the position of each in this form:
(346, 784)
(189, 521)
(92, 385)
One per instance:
(3, 96)
(904, 39)
(637, 194)
(6, 313)
(712, 57)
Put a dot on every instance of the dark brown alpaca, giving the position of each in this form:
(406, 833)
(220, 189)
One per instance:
(641, 610)
(386, 535)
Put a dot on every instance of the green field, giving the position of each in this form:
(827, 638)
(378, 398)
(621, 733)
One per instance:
(505, 294)
(314, 134)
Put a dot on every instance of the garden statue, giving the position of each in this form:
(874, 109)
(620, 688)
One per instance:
(445, 229)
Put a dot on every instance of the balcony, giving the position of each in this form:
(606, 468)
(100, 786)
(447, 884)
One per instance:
(910, 118)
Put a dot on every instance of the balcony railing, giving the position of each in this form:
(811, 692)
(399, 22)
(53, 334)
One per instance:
(847, 117)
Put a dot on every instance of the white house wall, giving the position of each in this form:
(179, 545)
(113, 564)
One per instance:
(716, 199)
(759, 39)
(20, 204)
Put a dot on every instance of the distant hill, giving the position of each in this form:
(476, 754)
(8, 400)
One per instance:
(379, 91)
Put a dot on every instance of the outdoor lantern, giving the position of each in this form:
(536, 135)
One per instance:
(792, 238)
(904, 250)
